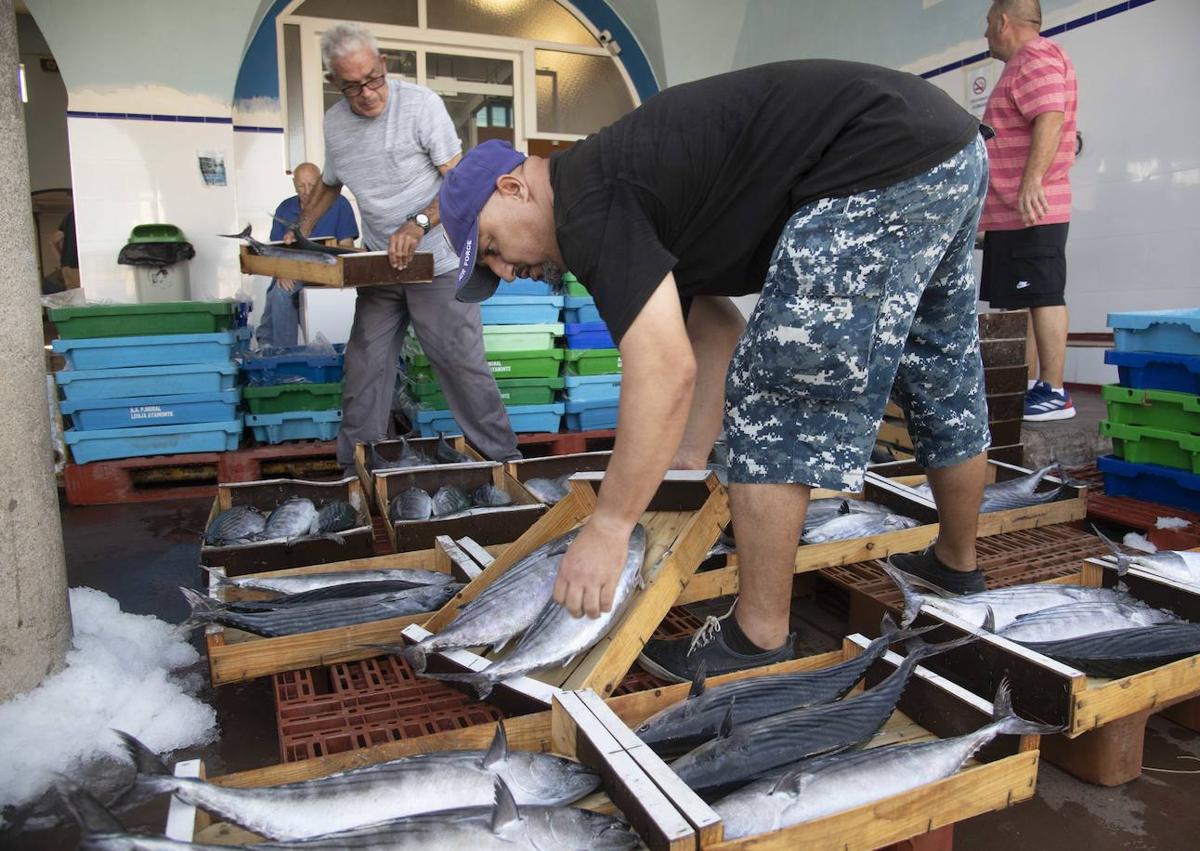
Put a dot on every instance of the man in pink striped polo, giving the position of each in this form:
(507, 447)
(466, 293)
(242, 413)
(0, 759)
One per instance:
(1028, 207)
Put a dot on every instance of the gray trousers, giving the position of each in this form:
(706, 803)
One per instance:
(451, 336)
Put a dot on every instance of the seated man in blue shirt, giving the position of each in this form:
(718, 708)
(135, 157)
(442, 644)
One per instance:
(281, 316)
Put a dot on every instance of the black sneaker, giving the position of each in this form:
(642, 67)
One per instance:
(926, 566)
(676, 660)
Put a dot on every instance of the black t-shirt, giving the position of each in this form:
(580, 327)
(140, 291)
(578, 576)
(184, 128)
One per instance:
(702, 177)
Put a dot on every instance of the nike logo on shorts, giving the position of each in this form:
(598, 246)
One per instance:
(1022, 284)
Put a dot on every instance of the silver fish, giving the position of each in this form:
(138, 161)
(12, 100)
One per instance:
(450, 500)
(411, 504)
(423, 783)
(842, 781)
(1075, 620)
(1122, 652)
(406, 458)
(548, 491)
(847, 527)
(281, 252)
(347, 590)
(295, 517)
(320, 614)
(301, 582)
(1013, 493)
(1180, 567)
(823, 510)
(1005, 604)
(336, 516)
(490, 496)
(237, 525)
(306, 244)
(503, 609)
(444, 453)
(555, 637)
(748, 751)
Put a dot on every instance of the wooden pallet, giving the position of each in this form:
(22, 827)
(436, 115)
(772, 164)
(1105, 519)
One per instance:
(682, 523)
(390, 450)
(569, 728)
(485, 526)
(241, 559)
(566, 442)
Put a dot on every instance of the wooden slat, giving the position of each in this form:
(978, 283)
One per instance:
(359, 269)
(367, 478)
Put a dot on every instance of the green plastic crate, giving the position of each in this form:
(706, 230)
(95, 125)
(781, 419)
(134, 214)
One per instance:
(1153, 408)
(540, 363)
(571, 285)
(1140, 445)
(283, 398)
(593, 361)
(137, 320)
(513, 391)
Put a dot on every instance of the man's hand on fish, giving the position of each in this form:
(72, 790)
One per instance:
(589, 572)
(403, 244)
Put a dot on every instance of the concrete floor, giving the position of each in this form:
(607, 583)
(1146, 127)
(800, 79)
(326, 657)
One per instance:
(141, 553)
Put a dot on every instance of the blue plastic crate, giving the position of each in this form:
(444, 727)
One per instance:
(525, 419)
(524, 286)
(520, 309)
(1150, 482)
(580, 309)
(91, 414)
(1156, 371)
(589, 335)
(587, 416)
(138, 381)
(288, 365)
(294, 425)
(158, 350)
(1173, 331)
(593, 388)
(106, 444)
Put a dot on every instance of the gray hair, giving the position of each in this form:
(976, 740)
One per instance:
(342, 40)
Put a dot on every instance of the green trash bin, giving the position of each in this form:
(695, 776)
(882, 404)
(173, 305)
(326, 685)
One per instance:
(159, 255)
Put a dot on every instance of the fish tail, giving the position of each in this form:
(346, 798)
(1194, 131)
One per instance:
(912, 600)
(152, 772)
(245, 234)
(204, 610)
(415, 655)
(91, 815)
(482, 683)
(1006, 720)
(893, 633)
(1123, 561)
(221, 578)
(917, 648)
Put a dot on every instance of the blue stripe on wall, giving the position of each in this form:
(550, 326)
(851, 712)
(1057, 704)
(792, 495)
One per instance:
(142, 116)
(1048, 33)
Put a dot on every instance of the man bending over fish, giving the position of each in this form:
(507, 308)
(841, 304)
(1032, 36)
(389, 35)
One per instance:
(847, 195)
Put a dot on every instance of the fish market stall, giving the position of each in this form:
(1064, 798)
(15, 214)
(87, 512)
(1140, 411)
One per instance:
(252, 548)
(385, 456)
(478, 500)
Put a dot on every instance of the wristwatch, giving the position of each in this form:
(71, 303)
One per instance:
(422, 221)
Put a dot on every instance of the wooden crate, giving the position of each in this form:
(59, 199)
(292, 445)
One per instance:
(1003, 773)
(358, 269)
(390, 450)
(241, 559)
(234, 655)
(1070, 505)
(721, 581)
(569, 728)
(1058, 694)
(485, 526)
(682, 523)
(554, 466)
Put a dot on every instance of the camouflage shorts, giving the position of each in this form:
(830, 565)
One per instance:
(863, 292)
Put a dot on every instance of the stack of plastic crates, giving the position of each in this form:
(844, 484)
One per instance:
(149, 379)
(521, 329)
(294, 394)
(1154, 413)
(592, 364)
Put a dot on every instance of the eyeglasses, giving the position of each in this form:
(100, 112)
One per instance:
(355, 89)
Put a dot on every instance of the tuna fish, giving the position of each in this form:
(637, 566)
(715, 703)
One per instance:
(504, 609)
(842, 781)
(821, 511)
(746, 752)
(273, 621)
(1180, 567)
(490, 496)
(1013, 493)
(450, 500)
(407, 457)
(1122, 652)
(549, 491)
(847, 527)
(336, 516)
(444, 453)
(1075, 620)
(411, 504)
(240, 524)
(281, 252)
(556, 637)
(423, 783)
(304, 243)
(344, 591)
(301, 582)
(692, 722)
(294, 518)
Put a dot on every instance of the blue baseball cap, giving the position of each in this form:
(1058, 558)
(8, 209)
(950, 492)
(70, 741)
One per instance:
(465, 190)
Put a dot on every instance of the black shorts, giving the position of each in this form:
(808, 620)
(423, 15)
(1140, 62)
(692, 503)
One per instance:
(1025, 268)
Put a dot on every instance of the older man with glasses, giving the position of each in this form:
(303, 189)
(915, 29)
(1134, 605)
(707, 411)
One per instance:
(391, 143)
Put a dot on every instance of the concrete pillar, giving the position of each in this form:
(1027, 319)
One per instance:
(35, 618)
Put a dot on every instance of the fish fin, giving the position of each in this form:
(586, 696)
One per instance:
(844, 508)
(501, 644)
(415, 655)
(697, 688)
(912, 600)
(1009, 722)
(726, 728)
(893, 633)
(504, 806)
(91, 815)
(1123, 561)
(204, 609)
(221, 578)
(989, 619)
(498, 752)
(918, 649)
(144, 760)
